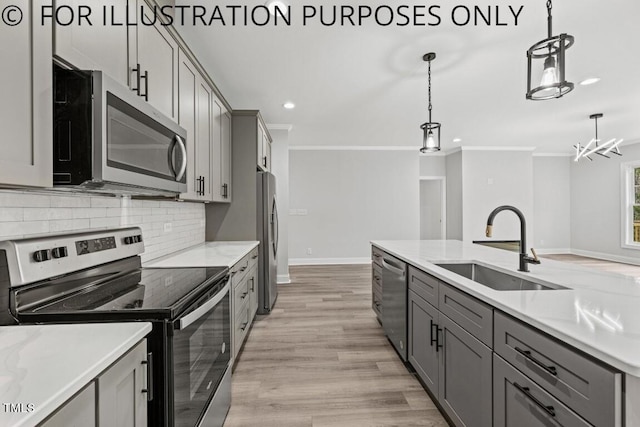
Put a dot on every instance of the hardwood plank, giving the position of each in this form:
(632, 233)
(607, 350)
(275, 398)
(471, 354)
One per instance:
(322, 359)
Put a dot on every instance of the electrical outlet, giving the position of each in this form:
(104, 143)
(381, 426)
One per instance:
(309, 251)
(168, 281)
(168, 227)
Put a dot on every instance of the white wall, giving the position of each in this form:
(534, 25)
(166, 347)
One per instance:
(453, 164)
(433, 165)
(351, 197)
(24, 214)
(280, 168)
(494, 178)
(596, 205)
(552, 203)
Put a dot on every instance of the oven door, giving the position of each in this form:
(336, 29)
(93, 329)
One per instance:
(201, 355)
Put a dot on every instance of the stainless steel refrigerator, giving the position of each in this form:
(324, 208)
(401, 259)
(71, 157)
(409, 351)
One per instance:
(267, 213)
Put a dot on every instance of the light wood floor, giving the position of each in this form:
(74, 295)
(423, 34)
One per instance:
(321, 359)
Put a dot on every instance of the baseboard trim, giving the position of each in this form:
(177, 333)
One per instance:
(283, 279)
(608, 257)
(328, 261)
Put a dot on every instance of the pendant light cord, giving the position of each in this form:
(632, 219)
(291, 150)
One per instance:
(549, 19)
(596, 119)
(429, 74)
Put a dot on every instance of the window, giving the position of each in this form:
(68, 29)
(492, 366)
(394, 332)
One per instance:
(631, 207)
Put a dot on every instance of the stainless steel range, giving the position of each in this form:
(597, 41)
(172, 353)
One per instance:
(97, 277)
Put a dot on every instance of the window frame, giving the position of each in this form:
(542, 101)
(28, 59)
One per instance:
(628, 202)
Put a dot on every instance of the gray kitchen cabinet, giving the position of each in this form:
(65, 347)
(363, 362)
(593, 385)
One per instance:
(143, 57)
(470, 313)
(264, 148)
(27, 108)
(376, 289)
(450, 360)
(123, 390)
(244, 299)
(518, 401)
(464, 376)
(79, 411)
(423, 346)
(591, 389)
(221, 153)
(188, 118)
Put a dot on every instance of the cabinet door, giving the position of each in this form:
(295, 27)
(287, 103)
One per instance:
(267, 153)
(217, 191)
(122, 396)
(225, 156)
(26, 110)
(464, 377)
(99, 46)
(204, 137)
(423, 348)
(187, 108)
(253, 291)
(157, 54)
(261, 138)
(79, 411)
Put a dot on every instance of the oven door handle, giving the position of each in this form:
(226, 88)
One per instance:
(196, 314)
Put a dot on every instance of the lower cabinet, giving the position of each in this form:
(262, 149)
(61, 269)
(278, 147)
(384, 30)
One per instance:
(118, 397)
(518, 401)
(452, 363)
(244, 299)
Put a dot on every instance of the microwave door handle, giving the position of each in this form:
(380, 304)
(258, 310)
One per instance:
(187, 320)
(183, 151)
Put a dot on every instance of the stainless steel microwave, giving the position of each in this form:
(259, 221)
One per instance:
(108, 139)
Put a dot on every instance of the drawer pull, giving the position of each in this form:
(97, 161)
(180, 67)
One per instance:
(244, 326)
(244, 295)
(527, 354)
(438, 345)
(243, 268)
(254, 256)
(525, 390)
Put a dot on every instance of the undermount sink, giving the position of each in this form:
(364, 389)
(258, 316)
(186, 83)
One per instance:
(497, 280)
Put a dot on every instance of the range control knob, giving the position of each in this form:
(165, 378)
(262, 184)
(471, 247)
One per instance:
(42, 255)
(128, 240)
(138, 238)
(60, 252)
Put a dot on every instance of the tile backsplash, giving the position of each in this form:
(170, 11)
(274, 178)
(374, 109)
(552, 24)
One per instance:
(167, 226)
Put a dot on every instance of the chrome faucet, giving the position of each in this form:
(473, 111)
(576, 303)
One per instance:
(524, 257)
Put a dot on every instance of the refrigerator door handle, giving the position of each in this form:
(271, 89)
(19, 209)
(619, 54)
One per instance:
(274, 225)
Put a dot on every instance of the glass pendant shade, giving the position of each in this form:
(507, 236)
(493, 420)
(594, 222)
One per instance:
(546, 64)
(431, 137)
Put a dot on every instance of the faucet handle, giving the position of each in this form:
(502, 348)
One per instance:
(535, 255)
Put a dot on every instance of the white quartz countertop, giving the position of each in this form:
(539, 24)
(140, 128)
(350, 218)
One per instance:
(599, 313)
(45, 365)
(208, 254)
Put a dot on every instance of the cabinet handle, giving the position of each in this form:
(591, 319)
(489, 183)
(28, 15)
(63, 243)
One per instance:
(433, 340)
(525, 390)
(149, 389)
(225, 188)
(137, 71)
(264, 161)
(243, 268)
(244, 326)
(527, 354)
(438, 344)
(146, 85)
(244, 295)
(253, 284)
(254, 256)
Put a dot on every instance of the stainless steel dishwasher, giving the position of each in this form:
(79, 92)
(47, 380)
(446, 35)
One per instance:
(394, 302)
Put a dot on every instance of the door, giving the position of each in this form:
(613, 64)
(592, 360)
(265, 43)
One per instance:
(424, 347)
(99, 46)
(432, 209)
(464, 377)
(123, 390)
(27, 103)
(157, 54)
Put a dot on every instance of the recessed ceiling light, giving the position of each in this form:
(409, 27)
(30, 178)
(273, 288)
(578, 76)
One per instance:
(280, 5)
(289, 105)
(590, 81)
(457, 139)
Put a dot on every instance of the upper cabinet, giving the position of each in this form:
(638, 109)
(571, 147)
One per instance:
(142, 57)
(221, 153)
(27, 108)
(264, 147)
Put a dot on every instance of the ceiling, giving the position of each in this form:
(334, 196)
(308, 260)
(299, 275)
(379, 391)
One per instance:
(367, 85)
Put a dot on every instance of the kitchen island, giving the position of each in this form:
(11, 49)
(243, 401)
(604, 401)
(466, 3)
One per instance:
(597, 314)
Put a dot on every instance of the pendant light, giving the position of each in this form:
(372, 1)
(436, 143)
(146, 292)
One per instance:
(609, 147)
(553, 83)
(430, 129)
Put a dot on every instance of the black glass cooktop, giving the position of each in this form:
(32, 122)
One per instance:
(139, 294)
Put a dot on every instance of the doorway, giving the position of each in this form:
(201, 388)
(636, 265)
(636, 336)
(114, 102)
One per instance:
(433, 208)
